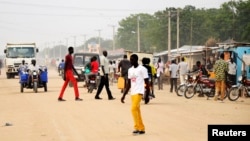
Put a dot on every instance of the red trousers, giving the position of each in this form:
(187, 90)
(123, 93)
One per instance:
(70, 77)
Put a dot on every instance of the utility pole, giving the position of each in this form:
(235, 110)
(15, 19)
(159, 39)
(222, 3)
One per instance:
(74, 41)
(99, 37)
(66, 39)
(54, 52)
(60, 45)
(191, 40)
(169, 35)
(113, 26)
(84, 45)
(178, 30)
(113, 37)
(138, 34)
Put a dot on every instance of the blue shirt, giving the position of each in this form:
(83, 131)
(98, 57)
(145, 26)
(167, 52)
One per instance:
(61, 65)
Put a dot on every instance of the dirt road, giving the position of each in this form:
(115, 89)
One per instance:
(40, 117)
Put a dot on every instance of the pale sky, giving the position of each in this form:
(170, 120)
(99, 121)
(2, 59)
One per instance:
(49, 22)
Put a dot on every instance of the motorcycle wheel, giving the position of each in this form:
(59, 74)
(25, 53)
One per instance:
(234, 94)
(70, 84)
(180, 90)
(189, 92)
(90, 89)
(35, 87)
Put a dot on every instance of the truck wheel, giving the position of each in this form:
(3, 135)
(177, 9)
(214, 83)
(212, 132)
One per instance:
(45, 86)
(21, 85)
(8, 76)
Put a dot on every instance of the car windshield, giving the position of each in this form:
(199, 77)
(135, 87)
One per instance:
(83, 59)
(20, 52)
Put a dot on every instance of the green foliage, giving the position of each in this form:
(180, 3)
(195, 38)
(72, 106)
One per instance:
(196, 27)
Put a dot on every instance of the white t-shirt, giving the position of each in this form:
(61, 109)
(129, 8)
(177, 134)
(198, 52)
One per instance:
(183, 67)
(232, 68)
(111, 68)
(173, 68)
(137, 76)
(104, 62)
(33, 68)
(159, 67)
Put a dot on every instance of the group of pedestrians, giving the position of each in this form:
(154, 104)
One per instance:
(136, 75)
(69, 71)
(137, 80)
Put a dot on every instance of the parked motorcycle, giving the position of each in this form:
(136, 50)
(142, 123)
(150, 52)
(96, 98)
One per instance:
(201, 85)
(189, 78)
(242, 88)
(204, 85)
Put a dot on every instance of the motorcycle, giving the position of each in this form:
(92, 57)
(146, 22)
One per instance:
(92, 83)
(61, 71)
(203, 85)
(182, 87)
(37, 79)
(34, 80)
(243, 88)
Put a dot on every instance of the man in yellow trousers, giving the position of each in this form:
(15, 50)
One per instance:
(137, 78)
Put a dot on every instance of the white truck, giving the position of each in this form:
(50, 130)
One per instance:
(15, 53)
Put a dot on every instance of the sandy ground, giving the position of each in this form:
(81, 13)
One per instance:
(40, 117)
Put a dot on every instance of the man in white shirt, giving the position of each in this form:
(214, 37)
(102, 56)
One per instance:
(183, 69)
(173, 69)
(23, 67)
(32, 67)
(137, 78)
(232, 71)
(104, 77)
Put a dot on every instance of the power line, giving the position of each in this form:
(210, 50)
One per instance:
(58, 15)
(66, 7)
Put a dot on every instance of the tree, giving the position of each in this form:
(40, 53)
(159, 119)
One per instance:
(197, 26)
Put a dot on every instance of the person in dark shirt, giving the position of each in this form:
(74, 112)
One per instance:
(203, 72)
(201, 68)
(123, 66)
(145, 63)
(69, 76)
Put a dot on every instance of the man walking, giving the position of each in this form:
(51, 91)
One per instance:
(123, 66)
(220, 69)
(104, 77)
(159, 68)
(69, 76)
(138, 77)
(173, 69)
(183, 69)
